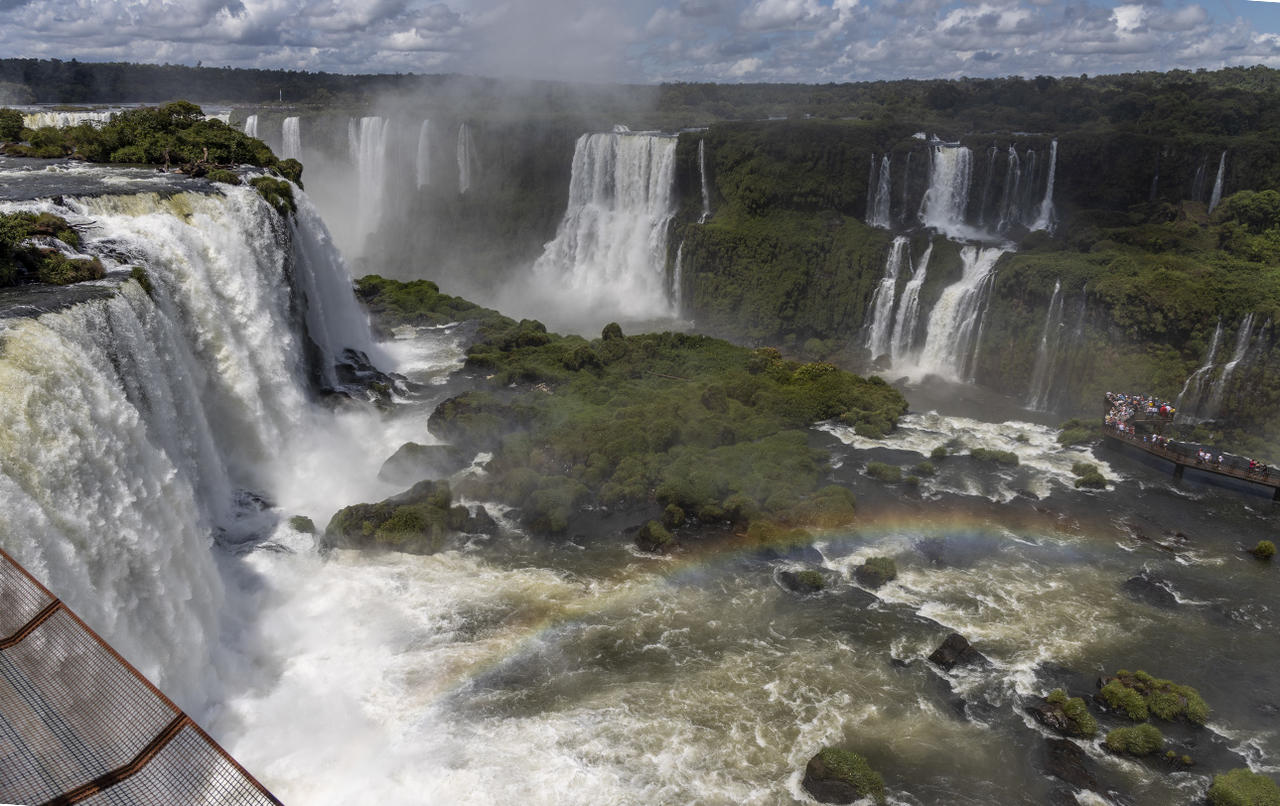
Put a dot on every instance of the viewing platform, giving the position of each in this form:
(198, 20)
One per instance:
(1182, 460)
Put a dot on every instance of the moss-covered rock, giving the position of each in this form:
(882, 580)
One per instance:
(1138, 695)
(1243, 787)
(1067, 715)
(1138, 740)
(876, 571)
(889, 474)
(416, 521)
(1265, 550)
(994, 456)
(836, 775)
(223, 176)
(806, 581)
(654, 537)
(277, 193)
(301, 523)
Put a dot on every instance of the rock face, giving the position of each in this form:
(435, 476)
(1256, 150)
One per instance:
(956, 651)
(413, 463)
(841, 776)
(1065, 760)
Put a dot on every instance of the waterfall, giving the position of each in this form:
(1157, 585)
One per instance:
(986, 185)
(37, 120)
(1219, 389)
(1009, 198)
(954, 322)
(943, 207)
(878, 191)
(1046, 356)
(1028, 190)
(128, 424)
(1197, 379)
(702, 174)
(251, 125)
(880, 323)
(1216, 196)
(424, 154)
(610, 249)
(677, 279)
(466, 157)
(1044, 219)
(902, 343)
(368, 146)
(291, 136)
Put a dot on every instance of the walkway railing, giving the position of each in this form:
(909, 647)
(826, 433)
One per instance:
(1183, 460)
(79, 724)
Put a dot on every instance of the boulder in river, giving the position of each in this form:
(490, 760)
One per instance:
(807, 581)
(956, 651)
(1063, 759)
(836, 775)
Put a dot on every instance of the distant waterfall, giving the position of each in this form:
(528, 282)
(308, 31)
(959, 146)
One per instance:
(424, 154)
(466, 157)
(880, 323)
(1219, 389)
(986, 185)
(610, 249)
(943, 207)
(1197, 184)
(1046, 356)
(904, 208)
(291, 136)
(956, 318)
(676, 292)
(902, 343)
(1044, 219)
(878, 190)
(1216, 196)
(702, 174)
(1009, 198)
(368, 146)
(37, 120)
(1193, 389)
(251, 125)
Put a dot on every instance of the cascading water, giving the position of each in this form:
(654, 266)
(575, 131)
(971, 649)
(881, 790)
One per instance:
(1009, 197)
(880, 323)
(1188, 402)
(1216, 196)
(677, 280)
(36, 120)
(424, 154)
(291, 137)
(251, 125)
(904, 207)
(954, 322)
(702, 176)
(943, 207)
(1044, 218)
(466, 157)
(1219, 389)
(878, 190)
(1197, 184)
(1046, 356)
(903, 342)
(368, 147)
(610, 249)
(986, 185)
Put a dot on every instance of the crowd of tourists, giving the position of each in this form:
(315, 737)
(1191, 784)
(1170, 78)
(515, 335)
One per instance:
(1124, 409)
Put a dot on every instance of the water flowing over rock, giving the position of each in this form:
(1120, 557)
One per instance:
(1044, 219)
(424, 154)
(466, 157)
(1189, 399)
(954, 323)
(1218, 391)
(367, 142)
(903, 342)
(1009, 197)
(944, 203)
(879, 187)
(291, 137)
(677, 280)
(1216, 196)
(880, 326)
(251, 125)
(610, 249)
(36, 120)
(1197, 184)
(1046, 356)
(986, 185)
(702, 176)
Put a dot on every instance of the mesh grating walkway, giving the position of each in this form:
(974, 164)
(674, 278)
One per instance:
(78, 724)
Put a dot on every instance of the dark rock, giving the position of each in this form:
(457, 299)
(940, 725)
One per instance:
(1049, 716)
(876, 571)
(839, 776)
(654, 537)
(1146, 587)
(802, 581)
(956, 651)
(1065, 760)
(412, 463)
(481, 523)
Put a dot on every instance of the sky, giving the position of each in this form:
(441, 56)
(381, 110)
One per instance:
(650, 41)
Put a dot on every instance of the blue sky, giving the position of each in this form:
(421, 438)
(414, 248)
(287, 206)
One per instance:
(656, 40)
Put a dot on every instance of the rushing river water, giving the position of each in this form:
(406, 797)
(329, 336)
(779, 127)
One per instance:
(580, 671)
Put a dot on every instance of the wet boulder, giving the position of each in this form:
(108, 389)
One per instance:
(876, 571)
(1146, 587)
(654, 537)
(956, 651)
(835, 775)
(802, 582)
(412, 463)
(1064, 760)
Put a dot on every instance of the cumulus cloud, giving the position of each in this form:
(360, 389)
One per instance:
(646, 40)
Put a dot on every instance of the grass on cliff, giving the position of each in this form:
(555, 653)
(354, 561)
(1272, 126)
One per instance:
(24, 260)
(642, 422)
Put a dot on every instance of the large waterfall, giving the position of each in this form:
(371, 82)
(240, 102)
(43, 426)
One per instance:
(424, 154)
(956, 319)
(291, 137)
(368, 146)
(1046, 355)
(610, 250)
(944, 204)
(903, 342)
(880, 323)
(466, 157)
(251, 125)
(1044, 218)
(1009, 197)
(1216, 196)
(702, 176)
(1219, 389)
(879, 187)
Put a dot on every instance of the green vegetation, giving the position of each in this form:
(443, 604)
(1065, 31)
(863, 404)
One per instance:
(1139, 740)
(416, 521)
(301, 523)
(1265, 550)
(1242, 787)
(1138, 694)
(810, 580)
(925, 468)
(139, 275)
(994, 456)
(876, 571)
(223, 175)
(1077, 431)
(939, 453)
(652, 537)
(851, 768)
(24, 261)
(890, 474)
(10, 125)
(1075, 711)
(1087, 475)
(393, 303)
(277, 192)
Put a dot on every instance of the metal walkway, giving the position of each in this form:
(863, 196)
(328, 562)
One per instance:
(1182, 461)
(78, 724)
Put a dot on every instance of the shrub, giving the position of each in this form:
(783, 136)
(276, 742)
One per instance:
(1122, 698)
(223, 175)
(1092, 481)
(10, 125)
(1243, 787)
(994, 456)
(925, 468)
(890, 474)
(653, 537)
(1265, 550)
(1082, 723)
(672, 516)
(810, 579)
(1138, 694)
(277, 192)
(939, 453)
(1139, 740)
(290, 169)
(58, 269)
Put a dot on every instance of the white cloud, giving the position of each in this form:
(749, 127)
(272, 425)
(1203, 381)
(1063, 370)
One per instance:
(768, 15)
